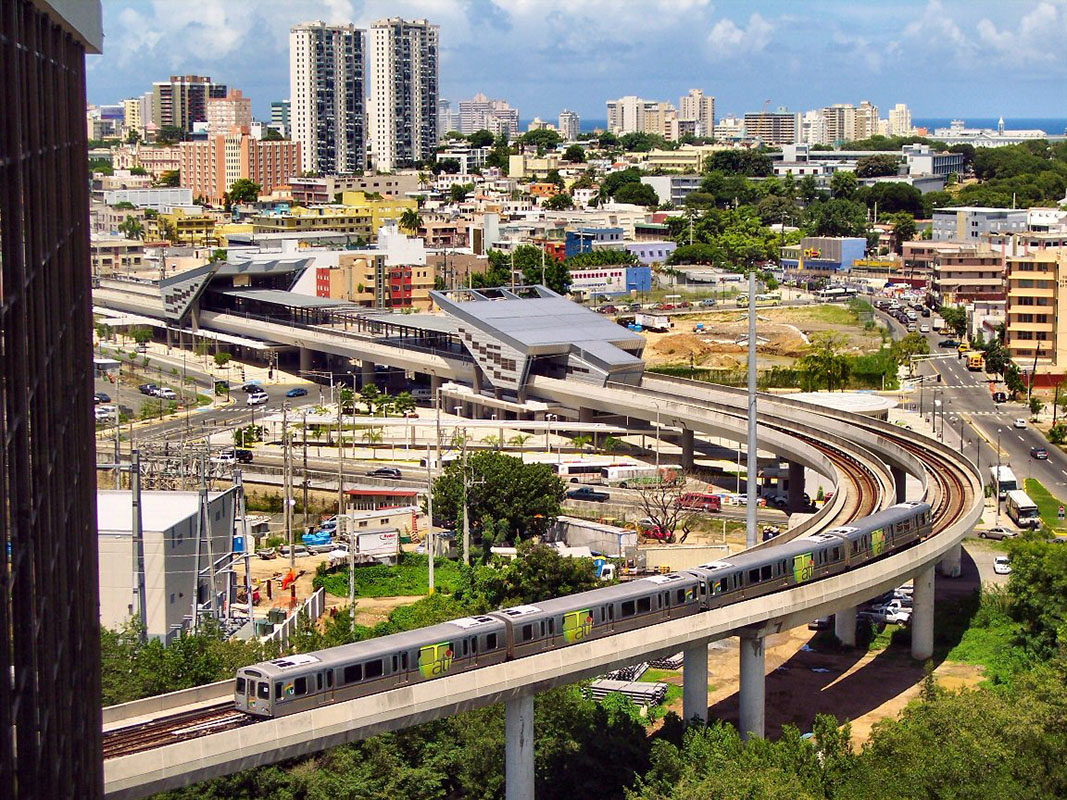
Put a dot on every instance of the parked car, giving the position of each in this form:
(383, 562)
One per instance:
(384, 472)
(166, 393)
(997, 533)
(887, 616)
(242, 455)
(1000, 397)
(1020, 423)
(948, 343)
(608, 310)
(298, 391)
(100, 397)
(258, 399)
(225, 458)
(589, 494)
(1040, 453)
(924, 328)
(149, 389)
(1002, 565)
(105, 413)
(821, 624)
(299, 551)
(708, 302)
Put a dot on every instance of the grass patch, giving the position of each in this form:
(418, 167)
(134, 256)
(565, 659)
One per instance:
(1047, 505)
(409, 578)
(658, 675)
(990, 638)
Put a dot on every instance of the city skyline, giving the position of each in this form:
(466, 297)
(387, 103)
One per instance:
(979, 59)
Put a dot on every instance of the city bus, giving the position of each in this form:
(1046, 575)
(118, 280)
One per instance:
(1004, 480)
(835, 293)
(1022, 510)
(584, 470)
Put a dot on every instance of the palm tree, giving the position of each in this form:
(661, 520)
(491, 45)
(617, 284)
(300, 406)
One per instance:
(519, 439)
(372, 436)
(579, 442)
(131, 228)
(410, 220)
(493, 441)
(613, 444)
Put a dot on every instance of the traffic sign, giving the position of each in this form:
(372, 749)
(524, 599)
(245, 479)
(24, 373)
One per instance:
(1060, 512)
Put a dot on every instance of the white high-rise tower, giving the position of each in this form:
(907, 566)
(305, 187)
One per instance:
(404, 92)
(326, 91)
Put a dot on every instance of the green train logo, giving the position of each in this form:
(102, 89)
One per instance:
(878, 542)
(577, 625)
(803, 567)
(435, 659)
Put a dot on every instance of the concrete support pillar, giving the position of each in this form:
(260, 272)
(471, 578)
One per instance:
(366, 372)
(522, 394)
(477, 379)
(687, 449)
(586, 414)
(305, 359)
(435, 384)
(922, 615)
(695, 682)
(519, 748)
(900, 482)
(796, 485)
(950, 562)
(845, 626)
(753, 684)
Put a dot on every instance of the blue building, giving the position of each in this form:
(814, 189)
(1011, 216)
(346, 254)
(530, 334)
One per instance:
(581, 240)
(649, 253)
(611, 280)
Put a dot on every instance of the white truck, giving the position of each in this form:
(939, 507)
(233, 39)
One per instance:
(653, 322)
(937, 324)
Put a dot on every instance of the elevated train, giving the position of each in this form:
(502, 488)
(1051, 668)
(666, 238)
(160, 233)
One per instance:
(305, 681)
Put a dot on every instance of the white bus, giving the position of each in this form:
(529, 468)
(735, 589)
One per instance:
(835, 293)
(584, 470)
(1004, 481)
(1022, 510)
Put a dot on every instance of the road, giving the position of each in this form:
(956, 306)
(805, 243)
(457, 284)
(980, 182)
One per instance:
(967, 398)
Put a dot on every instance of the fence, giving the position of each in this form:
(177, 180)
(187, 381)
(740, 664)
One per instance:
(311, 610)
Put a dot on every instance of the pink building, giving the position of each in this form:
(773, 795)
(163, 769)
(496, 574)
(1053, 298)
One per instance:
(224, 114)
(210, 167)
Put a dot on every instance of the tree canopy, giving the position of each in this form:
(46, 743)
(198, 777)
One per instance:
(750, 163)
(877, 166)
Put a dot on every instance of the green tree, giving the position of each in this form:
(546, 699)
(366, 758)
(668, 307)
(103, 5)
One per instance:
(914, 344)
(956, 318)
(608, 139)
(824, 363)
(170, 177)
(843, 184)
(903, 229)
(218, 255)
(516, 500)
(536, 574)
(640, 194)
(141, 334)
(750, 163)
(615, 180)
(410, 220)
(222, 359)
(139, 171)
(133, 136)
(170, 134)
(559, 202)
(837, 217)
(481, 138)
(241, 191)
(574, 154)
(131, 228)
(346, 400)
(641, 142)
(371, 395)
(458, 192)
(404, 403)
(542, 139)
(877, 166)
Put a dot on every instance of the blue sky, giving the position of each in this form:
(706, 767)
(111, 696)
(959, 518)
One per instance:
(942, 58)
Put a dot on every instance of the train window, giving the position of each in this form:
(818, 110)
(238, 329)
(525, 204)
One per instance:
(753, 576)
(855, 548)
(300, 686)
(353, 673)
(681, 595)
(263, 690)
(474, 644)
(464, 643)
(542, 629)
(765, 573)
(329, 679)
(318, 681)
(552, 627)
(490, 641)
(527, 632)
(278, 690)
(720, 587)
(373, 669)
(644, 605)
(627, 609)
(404, 660)
(240, 687)
(837, 553)
(611, 612)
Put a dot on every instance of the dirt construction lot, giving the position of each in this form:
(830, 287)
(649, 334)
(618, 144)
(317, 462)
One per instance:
(783, 335)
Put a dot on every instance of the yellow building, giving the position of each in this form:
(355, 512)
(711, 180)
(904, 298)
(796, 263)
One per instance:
(1036, 312)
(363, 277)
(687, 158)
(178, 227)
(357, 215)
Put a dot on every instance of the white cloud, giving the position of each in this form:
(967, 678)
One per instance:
(1039, 38)
(727, 40)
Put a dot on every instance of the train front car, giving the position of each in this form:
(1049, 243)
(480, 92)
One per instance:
(886, 531)
(564, 621)
(297, 683)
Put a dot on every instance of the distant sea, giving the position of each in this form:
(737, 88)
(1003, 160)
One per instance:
(1054, 126)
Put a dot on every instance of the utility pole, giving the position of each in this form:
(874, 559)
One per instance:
(429, 517)
(340, 463)
(140, 602)
(287, 481)
(239, 483)
(306, 512)
(751, 537)
(466, 515)
(207, 533)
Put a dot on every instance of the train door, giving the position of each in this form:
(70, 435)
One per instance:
(578, 625)
(401, 673)
(436, 660)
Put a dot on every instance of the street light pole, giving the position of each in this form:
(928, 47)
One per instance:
(996, 516)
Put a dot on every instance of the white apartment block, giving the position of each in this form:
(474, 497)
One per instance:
(481, 113)
(900, 120)
(631, 114)
(700, 108)
(569, 125)
(404, 92)
(326, 90)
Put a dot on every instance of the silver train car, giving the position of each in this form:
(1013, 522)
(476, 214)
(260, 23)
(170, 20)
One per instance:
(296, 683)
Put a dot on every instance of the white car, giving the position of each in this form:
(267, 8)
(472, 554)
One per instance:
(105, 413)
(1001, 565)
(1019, 423)
(167, 393)
(924, 329)
(258, 399)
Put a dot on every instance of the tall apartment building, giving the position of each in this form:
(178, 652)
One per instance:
(1036, 312)
(326, 90)
(700, 108)
(773, 127)
(182, 100)
(570, 125)
(131, 112)
(404, 92)
(840, 123)
(210, 166)
(900, 120)
(633, 114)
(229, 112)
(50, 656)
(496, 116)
